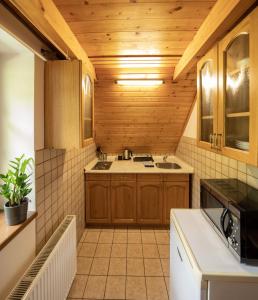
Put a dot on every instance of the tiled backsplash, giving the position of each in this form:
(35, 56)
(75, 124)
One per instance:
(60, 189)
(211, 165)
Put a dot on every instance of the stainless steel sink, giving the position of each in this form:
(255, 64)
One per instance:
(167, 165)
(102, 165)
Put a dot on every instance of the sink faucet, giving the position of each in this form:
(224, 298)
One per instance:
(165, 158)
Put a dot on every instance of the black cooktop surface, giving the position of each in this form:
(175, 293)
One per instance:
(238, 193)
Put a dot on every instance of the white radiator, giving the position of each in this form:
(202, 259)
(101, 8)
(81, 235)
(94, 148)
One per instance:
(52, 272)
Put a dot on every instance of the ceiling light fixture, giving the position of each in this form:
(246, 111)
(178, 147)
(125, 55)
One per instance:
(143, 82)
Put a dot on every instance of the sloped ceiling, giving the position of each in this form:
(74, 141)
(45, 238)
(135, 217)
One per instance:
(125, 37)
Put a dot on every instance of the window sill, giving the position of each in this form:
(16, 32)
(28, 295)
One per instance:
(8, 233)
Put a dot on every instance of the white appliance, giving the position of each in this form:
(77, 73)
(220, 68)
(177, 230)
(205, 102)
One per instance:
(201, 265)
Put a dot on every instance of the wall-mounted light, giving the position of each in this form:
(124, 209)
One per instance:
(139, 82)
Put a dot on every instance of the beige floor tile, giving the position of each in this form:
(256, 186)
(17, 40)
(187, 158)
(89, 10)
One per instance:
(83, 265)
(134, 250)
(78, 286)
(95, 228)
(117, 266)
(152, 267)
(135, 288)
(79, 248)
(134, 238)
(156, 288)
(148, 238)
(150, 251)
(110, 229)
(95, 288)
(120, 237)
(99, 266)
(163, 251)
(165, 266)
(135, 267)
(83, 236)
(103, 250)
(92, 237)
(121, 228)
(118, 250)
(161, 230)
(135, 229)
(167, 285)
(162, 238)
(147, 229)
(88, 250)
(115, 287)
(106, 237)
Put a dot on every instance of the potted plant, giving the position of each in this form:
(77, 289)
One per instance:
(14, 188)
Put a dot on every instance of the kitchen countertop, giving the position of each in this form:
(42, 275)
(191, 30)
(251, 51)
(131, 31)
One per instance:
(206, 250)
(129, 166)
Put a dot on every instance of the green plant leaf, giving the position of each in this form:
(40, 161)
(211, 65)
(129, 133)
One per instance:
(17, 182)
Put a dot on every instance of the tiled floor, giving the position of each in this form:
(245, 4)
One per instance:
(122, 263)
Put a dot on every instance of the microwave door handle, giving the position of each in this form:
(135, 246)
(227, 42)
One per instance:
(222, 222)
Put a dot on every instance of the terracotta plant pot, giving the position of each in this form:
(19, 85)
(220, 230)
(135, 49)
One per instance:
(16, 214)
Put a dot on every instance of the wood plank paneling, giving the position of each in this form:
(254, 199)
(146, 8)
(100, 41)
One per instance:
(44, 15)
(221, 18)
(144, 119)
(126, 38)
(126, 11)
(126, 27)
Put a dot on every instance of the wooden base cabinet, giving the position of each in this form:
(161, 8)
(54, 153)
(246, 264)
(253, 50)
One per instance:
(98, 202)
(176, 195)
(123, 202)
(131, 199)
(149, 202)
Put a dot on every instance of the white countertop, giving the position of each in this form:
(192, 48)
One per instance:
(206, 248)
(129, 166)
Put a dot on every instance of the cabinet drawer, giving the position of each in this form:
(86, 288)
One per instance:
(149, 177)
(97, 176)
(121, 177)
(176, 177)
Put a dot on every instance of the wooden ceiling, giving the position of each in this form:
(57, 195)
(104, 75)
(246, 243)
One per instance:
(115, 28)
(148, 37)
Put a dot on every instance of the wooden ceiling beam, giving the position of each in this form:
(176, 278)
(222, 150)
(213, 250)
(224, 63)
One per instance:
(221, 18)
(44, 15)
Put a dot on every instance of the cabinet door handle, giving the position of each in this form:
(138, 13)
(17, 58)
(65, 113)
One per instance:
(215, 141)
(220, 141)
(211, 140)
(179, 254)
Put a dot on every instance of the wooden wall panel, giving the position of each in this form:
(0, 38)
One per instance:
(144, 119)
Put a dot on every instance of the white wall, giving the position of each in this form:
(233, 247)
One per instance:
(191, 127)
(15, 258)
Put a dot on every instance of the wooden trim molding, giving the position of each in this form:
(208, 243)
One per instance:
(221, 18)
(8, 233)
(45, 16)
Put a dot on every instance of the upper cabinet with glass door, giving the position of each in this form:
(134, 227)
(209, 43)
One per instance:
(238, 91)
(68, 105)
(87, 109)
(207, 99)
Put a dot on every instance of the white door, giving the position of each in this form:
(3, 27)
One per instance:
(184, 284)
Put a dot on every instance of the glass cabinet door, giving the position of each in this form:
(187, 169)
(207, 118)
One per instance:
(87, 108)
(236, 93)
(207, 97)
(206, 101)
